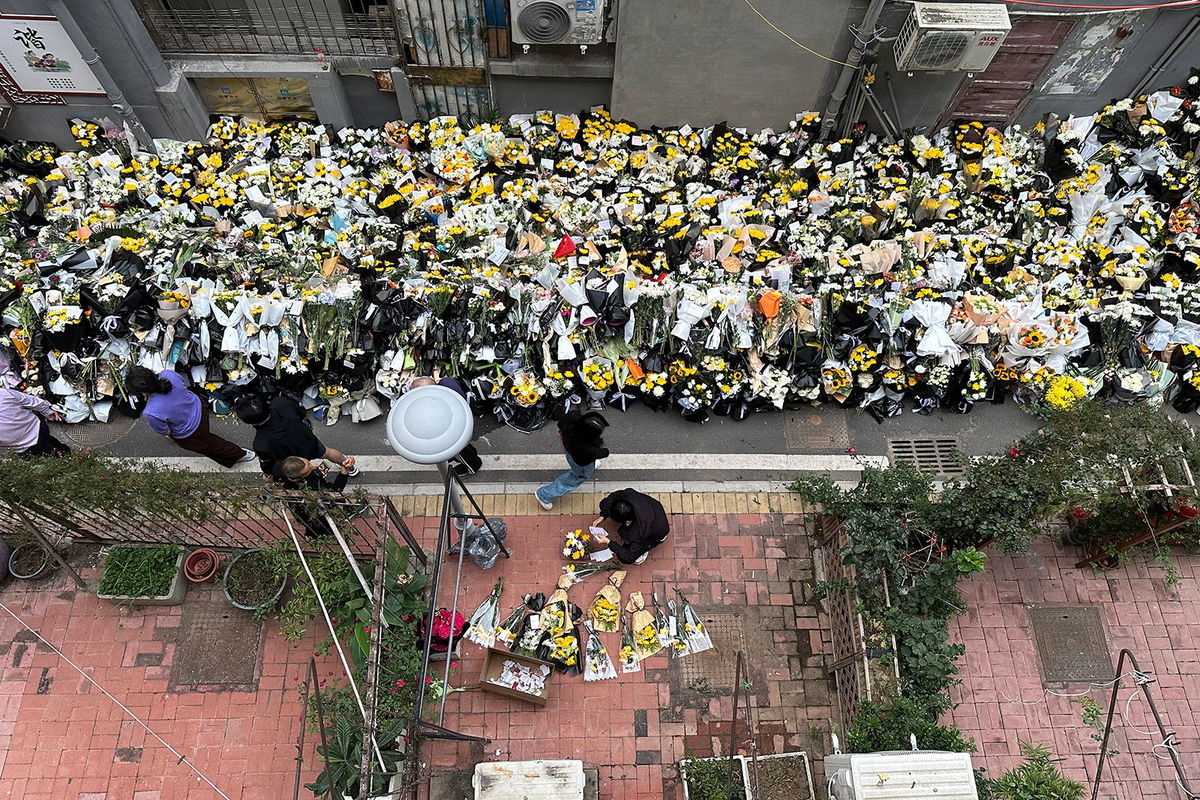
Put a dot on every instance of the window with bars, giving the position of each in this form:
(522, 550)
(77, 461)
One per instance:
(278, 27)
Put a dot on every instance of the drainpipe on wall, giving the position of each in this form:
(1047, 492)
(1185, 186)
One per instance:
(853, 62)
(92, 59)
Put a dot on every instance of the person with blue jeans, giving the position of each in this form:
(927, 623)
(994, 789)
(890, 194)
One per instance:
(583, 445)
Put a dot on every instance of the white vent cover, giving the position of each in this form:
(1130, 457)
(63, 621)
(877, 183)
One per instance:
(951, 37)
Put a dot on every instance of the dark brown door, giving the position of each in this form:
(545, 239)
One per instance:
(997, 94)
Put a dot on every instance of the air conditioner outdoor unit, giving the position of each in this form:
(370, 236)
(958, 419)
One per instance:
(557, 21)
(951, 37)
(901, 775)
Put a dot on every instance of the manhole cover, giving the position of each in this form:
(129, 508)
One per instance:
(807, 431)
(716, 669)
(1071, 644)
(88, 435)
(928, 455)
(217, 647)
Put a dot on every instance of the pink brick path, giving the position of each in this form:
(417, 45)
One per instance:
(1161, 627)
(70, 742)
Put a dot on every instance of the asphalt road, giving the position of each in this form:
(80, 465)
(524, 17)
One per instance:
(648, 446)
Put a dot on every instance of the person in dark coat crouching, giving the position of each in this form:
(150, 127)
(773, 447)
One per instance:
(641, 525)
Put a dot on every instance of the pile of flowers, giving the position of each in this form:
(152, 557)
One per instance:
(552, 260)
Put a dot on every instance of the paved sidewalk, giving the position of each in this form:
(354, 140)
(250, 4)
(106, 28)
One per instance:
(754, 570)
(62, 739)
(1002, 700)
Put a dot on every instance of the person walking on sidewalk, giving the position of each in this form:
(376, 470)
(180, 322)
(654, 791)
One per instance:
(173, 411)
(583, 444)
(282, 429)
(23, 427)
(641, 525)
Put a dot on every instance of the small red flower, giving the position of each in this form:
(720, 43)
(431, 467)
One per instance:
(1176, 91)
(851, 450)
(1014, 452)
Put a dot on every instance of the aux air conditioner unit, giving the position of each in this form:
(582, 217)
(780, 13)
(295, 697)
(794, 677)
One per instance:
(557, 21)
(951, 37)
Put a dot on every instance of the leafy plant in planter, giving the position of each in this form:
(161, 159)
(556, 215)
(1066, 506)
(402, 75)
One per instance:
(342, 756)
(255, 579)
(140, 571)
(707, 779)
(1037, 779)
(886, 725)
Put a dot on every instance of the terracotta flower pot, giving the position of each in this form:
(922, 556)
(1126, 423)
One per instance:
(201, 565)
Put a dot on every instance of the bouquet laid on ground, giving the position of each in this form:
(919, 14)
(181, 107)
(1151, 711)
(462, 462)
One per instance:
(481, 628)
(698, 640)
(705, 270)
(599, 665)
(605, 612)
(646, 640)
(628, 655)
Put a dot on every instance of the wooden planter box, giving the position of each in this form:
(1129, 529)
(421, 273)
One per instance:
(493, 665)
(800, 754)
(173, 597)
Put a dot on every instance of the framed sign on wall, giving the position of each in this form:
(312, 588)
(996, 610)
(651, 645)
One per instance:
(39, 58)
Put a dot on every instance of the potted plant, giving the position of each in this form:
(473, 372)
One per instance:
(255, 580)
(201, 565)
(707, 778)
(784, 776)
(143, 575)
(30, 562)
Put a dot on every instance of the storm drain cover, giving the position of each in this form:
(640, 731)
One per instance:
(1071, 644)
(807, 431)
(928, 455)
(217, 648)
(88, 435)
(716, 669)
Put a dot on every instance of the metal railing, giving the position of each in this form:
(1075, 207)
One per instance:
(281, 27)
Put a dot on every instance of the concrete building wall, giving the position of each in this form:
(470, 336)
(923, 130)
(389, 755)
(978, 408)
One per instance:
(705, 61)
(515, 95)
(1103, 57)
(165, 105)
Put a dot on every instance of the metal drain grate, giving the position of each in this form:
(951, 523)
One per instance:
(716, 669)
(89, 435)
(217, 646)
(928, 455)
(1071, 644)
(810, 430)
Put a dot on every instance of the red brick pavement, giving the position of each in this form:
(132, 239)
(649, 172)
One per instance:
(1160, 626)
(636, 727)
(72, 742)
(61, 738)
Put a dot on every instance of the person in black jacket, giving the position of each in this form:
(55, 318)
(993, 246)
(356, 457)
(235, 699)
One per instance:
(282, 429)
(583, 444)
(642, 522)
(295, 473)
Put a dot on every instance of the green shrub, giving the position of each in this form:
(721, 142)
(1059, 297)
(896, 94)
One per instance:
(887, 725)
(139, 571)
(1037, 779)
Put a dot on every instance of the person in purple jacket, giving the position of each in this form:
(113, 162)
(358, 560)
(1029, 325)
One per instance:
(23, 427)
(173, 411)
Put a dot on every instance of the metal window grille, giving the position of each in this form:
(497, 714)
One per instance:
(280, 27)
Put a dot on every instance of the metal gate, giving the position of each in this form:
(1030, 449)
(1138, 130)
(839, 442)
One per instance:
(446, 57)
